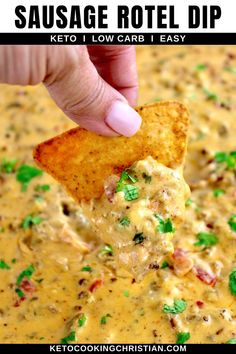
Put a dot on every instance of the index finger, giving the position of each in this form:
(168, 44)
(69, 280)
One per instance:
(117, 66)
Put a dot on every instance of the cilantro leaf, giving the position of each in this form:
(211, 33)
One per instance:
(123, 177)
(138, 238)
(218, 192)
(182, 337)
(8, 166)
(210, 95)
(228, 158)
(19, 293)
(165, 226)
(231, 70)
(25, 174)
(4, 265)
(130, 192)
(178, 307)
(231, 341)
(206, 239)
(164, 265)
(82, 320)
(200, 67)
(104, 319)
(125, 221)
(126, 293)
(31, 220)
(26, 273)
(70, 338)
(232, 282)
(232, 222)
(188, 202)
(107, 249)
(42, 188)
(86, 269)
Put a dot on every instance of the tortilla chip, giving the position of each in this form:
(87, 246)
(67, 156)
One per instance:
(81, 160)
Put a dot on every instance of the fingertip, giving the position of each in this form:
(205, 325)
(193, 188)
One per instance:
(123, 119)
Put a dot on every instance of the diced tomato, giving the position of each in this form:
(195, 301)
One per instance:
(95, 285)
(182, 263)
(200, 304)
(28, 285)
(19, 301)
(205, 277)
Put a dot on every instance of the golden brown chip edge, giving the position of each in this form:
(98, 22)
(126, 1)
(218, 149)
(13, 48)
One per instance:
(58, 154)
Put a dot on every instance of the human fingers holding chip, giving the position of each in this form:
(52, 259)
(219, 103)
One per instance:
(90, 90)
(92, 86)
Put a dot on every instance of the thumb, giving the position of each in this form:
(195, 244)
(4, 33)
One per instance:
(85, 97)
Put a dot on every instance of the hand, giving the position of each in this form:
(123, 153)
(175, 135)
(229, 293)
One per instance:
(92, 85)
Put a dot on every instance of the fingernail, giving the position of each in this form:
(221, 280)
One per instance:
(123, 119)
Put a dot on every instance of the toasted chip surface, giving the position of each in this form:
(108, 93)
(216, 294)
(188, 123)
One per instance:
(81, 160)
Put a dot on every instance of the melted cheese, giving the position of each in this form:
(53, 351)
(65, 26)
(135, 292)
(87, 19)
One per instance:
(61, 245)
(141, 229)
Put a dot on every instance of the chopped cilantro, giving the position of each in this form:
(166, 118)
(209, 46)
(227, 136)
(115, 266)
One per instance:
(182, 337)
(42, 188)
(147, 178)
(130, 192)
(4, 265)
(126, 293)
(228, 158)
(232, 222)
(231, 341)
(188, 202)
(7, 166)
(86, 269)
(218, 192)
(231, 70)
(19, 292)
(13, 260)
(232, 282)
(178, 307)
(104, 319)
(26, 273)
(70, 338)
(165, 226)
(206, 239)
(82, 320)
(210, 95)
(38, 198)
(200, 67)
(31, 220)
(41, 338)
(164, 265)
(2, 229)
(25, 174)
(124, 177)
(125, 221)
(138, 238)
(107, 249)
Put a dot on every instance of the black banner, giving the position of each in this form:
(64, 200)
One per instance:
(118, 38)
(114, 348)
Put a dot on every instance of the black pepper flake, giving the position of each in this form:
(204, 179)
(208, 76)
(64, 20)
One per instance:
(82, 294)
(154, 332)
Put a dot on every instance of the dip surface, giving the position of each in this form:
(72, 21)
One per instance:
(57, 283)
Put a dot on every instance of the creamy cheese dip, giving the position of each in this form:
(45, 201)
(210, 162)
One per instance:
(138, 214)
(71, 285)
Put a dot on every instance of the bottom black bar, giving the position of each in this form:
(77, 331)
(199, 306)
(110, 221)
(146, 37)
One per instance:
(116, 348)
(118, 38)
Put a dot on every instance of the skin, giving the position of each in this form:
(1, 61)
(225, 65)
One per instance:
(93, 85)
